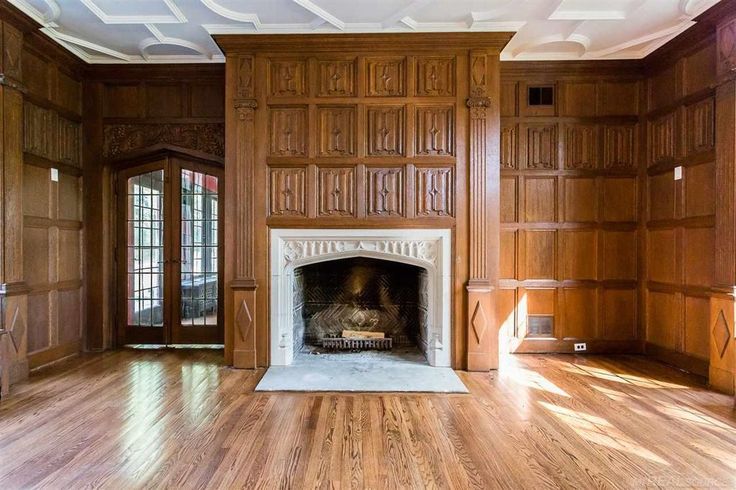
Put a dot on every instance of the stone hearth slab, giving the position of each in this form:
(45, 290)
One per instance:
(360, 372)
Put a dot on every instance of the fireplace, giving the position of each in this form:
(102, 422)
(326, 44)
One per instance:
(379, 296)
(394, 281)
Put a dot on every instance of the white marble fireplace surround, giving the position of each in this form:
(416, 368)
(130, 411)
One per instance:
(426, 248)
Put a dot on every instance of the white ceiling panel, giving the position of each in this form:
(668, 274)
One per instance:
(170, 31)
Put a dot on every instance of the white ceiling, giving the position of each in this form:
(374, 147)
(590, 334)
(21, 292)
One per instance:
(165, 31)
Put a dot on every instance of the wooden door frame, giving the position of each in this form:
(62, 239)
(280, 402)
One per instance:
(163, 155)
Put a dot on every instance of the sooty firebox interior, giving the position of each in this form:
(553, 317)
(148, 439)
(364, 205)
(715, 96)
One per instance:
(360, 294)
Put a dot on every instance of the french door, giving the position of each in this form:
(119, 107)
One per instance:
(169, 260)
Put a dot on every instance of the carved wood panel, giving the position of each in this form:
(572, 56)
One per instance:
(336, 191)
(12, 44)
(69, 134)
(581, 146)
(541, 146)
(385, 130)
(40, 131)
(385, 191)
(509, 146)
(336, 129)
(700, 126)
(435, 76)
(434, 130)
(205, 137)
(434, 191)
(726, 42)
(288, 78)
(287, 192)
(288, 131)
(245, 85)
(336, 78)
(619, 146)
(662, 138)
(386, 76)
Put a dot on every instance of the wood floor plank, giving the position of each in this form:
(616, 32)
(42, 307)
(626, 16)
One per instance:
(181, 419)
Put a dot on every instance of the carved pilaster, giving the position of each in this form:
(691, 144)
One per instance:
(482, 335)
(13, 293)
(722, 366)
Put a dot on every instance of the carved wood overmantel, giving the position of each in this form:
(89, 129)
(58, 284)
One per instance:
(362, 131)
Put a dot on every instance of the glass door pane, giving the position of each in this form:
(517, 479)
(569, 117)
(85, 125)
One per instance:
(200, 275)
(145, 254)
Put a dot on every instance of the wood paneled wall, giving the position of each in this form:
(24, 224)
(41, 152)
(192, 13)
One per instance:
(42, 282)
(356, 131)
(680, 214)
(129, 111)
(569, 206)
(53, 231)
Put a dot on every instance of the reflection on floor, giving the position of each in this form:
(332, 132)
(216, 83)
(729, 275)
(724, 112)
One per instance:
(402, 369)
(181, 419)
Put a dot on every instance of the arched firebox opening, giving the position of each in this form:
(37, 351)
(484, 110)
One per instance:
(344, 298)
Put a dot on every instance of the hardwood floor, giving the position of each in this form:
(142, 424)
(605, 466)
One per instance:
(137, 418)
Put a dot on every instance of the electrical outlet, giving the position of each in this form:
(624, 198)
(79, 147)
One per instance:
(581, 347)
(678, 173)
(54, 175)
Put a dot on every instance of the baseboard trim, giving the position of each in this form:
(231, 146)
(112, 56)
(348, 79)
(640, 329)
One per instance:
(53, 354)
(680, 360)
(567, 346)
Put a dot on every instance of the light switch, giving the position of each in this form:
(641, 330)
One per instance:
(54, 175)
(678, 173)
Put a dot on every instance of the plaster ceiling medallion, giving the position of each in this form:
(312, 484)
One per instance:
(180, 31)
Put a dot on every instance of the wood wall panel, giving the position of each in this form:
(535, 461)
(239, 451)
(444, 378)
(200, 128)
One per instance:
(287, 192)
(52, 213)
(679, 216)
(385, 191)
(386, 76)
(372, 136)
(435, 134)
(386, 129)
(289, 133)
(336, 189)
(570, 203)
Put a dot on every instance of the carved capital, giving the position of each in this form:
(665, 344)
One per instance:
(5, 81)
(245, 108)
(478, 106)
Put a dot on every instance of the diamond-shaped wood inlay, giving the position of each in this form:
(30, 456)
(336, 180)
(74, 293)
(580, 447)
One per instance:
(478, 321)
(721, 334)
(244, 319)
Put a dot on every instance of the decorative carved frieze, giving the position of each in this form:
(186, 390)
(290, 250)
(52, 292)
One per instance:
(434, 191)
(434, 130)
(700, 126)
(509, 146)
(336, 78)
(336, 128)
(287, 192)
(205, 137)
(541, 146)
(581, 146)
(423, 250)
(288, 131)
(288, 78)
(435, 76)
(619, 146)
(386, 76)
(385, 130)
(385, 191)
(336, 191)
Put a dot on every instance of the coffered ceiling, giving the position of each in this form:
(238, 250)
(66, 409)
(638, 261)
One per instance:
(165, 31)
